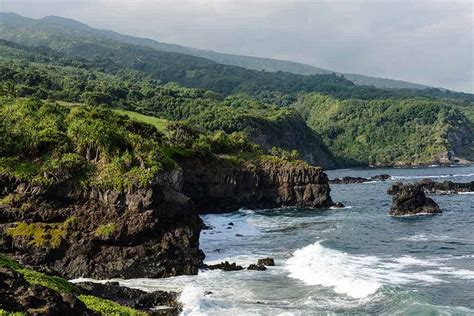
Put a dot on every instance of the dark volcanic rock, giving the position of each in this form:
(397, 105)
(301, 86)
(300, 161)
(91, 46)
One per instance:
(226, 266)
(446, 187)
(151, 232)
(257, 267)
(410, 199)
(266, 262)
(216, 186)
(133, 298)
(351, 180)
(17, 295)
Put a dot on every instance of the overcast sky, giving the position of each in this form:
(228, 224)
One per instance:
(423, 41)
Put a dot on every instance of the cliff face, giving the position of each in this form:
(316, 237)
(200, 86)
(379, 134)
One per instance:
(216, 186)
(102, 234)
(291, 132)
(151, 232)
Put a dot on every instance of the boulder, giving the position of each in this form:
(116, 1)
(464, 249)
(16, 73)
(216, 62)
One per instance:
(410, 199)
(257, 267)
(266, 262)
(226, 266)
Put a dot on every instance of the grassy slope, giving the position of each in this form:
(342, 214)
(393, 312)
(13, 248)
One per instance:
(159, 123)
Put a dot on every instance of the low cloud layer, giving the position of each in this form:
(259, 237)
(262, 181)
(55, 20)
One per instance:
(424, 41)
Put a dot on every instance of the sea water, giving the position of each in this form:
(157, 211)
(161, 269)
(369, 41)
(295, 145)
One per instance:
(356, 260)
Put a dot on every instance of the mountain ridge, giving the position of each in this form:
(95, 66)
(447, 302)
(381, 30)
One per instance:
(248, 62)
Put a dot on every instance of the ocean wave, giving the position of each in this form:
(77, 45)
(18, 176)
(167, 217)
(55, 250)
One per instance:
(191, 299)
(360, 276)
(340, 208)
(431, 176)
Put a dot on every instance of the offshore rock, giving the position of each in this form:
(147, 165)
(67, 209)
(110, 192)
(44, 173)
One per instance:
(446, 187)
(351, 180)
(266, 262)
(226, 266)
(410, 199)
(257, 267)
(217, 186)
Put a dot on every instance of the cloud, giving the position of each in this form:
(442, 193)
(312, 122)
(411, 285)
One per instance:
(425, 41)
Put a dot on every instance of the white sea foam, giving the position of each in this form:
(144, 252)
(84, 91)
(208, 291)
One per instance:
(361, 276)
(191, 298)
(340, 208)
(466, 193)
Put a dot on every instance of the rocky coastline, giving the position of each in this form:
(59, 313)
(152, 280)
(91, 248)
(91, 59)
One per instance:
(68, 231)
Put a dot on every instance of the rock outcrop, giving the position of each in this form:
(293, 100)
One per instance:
(446, 187)
(351, 180)
(134, 298)
(17, 295)
(225, 266)
(64, 230)
(410, 199)
(217, 186)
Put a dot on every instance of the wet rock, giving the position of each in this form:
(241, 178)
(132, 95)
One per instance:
(226, 266)
(339, 205)
(239, 235)
(266, 262)
(352, 180)
(446, 187)
(17, 295)
(257, 267)
(133, 298)
(410, 199)
(230, 224)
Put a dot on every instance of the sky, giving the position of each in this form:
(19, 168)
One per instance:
(423, 41)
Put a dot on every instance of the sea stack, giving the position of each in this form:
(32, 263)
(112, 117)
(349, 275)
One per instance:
(410, 199)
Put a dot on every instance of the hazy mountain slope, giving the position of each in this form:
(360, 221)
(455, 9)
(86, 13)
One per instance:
(256, 63)
(412, 131)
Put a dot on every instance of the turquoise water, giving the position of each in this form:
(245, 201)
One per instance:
(355, 260)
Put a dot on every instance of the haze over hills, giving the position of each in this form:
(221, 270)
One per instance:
(256, 63)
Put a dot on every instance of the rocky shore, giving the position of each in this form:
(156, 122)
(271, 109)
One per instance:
(410, 199)
(154, 232)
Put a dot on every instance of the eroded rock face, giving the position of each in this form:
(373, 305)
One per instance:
(216, 187)
(152, 232)
(410, 199)
(16, 295)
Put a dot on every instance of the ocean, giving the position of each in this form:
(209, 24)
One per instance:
(355, 260)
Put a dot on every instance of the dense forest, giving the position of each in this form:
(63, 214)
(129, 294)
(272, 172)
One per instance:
(359, 125)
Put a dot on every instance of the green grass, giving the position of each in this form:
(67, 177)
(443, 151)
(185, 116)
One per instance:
(60, 285)
(106, 230)
(106, 307)
(159, 123)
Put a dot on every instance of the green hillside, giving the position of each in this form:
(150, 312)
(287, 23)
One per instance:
(255, 63)
(391, 132)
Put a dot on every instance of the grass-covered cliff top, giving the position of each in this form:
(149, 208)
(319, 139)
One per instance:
(45, 142)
